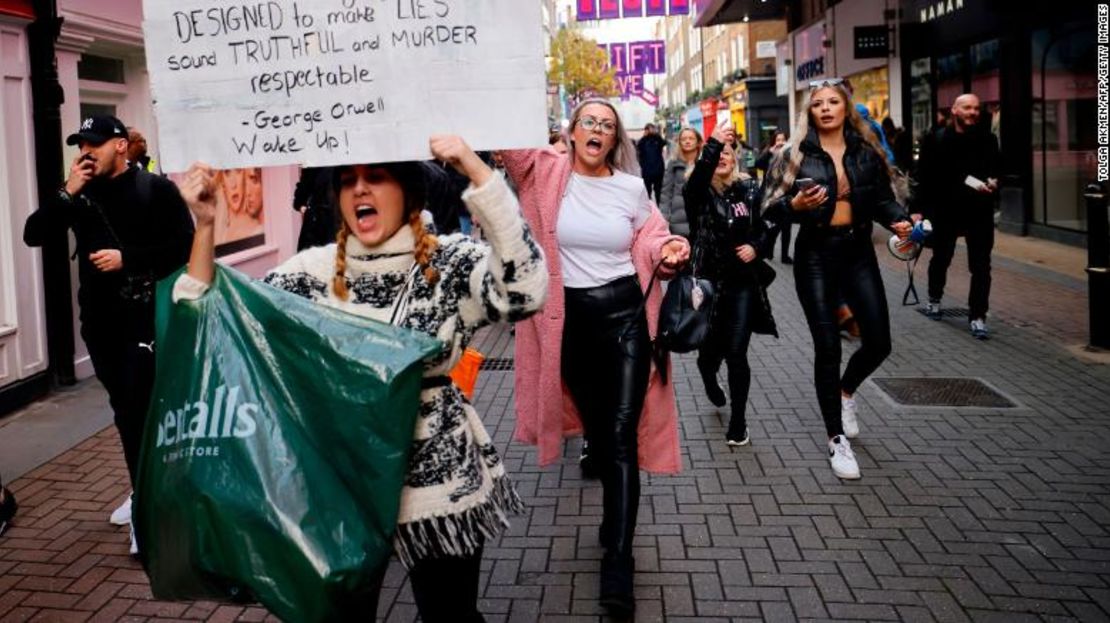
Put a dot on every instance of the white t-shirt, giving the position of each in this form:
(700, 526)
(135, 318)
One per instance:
(597, 220)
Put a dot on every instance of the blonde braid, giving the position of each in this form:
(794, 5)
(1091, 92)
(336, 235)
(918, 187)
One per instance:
(425, 244)
(339, 282)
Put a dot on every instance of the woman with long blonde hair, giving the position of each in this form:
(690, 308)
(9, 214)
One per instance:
(729, 241)
(835, 182)
(671, 202)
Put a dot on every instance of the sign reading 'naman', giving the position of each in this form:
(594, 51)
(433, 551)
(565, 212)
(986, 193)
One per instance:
(327, 82)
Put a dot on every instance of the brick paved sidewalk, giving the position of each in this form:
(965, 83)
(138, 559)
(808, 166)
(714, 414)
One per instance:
(962, 513)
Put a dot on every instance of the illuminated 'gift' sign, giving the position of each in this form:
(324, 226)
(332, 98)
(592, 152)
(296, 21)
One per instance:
(632, 61)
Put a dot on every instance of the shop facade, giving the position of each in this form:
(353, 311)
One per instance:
(101, 69)
(830, 47)
(756, 110)
(1033, 68)
(23, 351)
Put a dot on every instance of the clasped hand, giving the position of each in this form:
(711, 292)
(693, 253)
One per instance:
(676, 253)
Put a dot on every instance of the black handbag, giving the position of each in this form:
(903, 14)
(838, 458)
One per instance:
(682, 323)
(686, 313)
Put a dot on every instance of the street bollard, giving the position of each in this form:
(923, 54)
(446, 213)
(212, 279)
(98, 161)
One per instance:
(1098, 265)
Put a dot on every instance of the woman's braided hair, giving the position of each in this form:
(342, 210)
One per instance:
(339, 281)
(411, 177)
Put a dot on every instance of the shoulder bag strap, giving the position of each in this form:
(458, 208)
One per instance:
(643, 303)
(401, 303)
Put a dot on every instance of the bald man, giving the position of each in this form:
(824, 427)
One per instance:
(958, 175)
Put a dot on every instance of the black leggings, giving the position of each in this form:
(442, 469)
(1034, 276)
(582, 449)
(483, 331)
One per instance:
(828, 265)
(605, 365)
(728, 341)
(446, 589)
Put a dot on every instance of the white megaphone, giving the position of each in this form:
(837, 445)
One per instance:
(910, 248)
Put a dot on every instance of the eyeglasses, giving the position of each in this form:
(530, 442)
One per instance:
(826, 82)
(590, 124)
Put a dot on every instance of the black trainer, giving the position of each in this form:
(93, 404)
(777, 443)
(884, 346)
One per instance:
(736, 439)
(7, 510)
(713, 390)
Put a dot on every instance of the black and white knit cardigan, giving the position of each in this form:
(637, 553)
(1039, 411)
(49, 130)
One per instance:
(456, 494)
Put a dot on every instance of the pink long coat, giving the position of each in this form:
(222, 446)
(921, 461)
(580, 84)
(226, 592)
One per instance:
(544, 409)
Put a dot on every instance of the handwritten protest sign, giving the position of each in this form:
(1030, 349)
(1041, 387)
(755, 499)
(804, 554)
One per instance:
(326, 82)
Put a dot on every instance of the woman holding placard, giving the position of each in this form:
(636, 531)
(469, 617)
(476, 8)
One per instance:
(387, 266)
(603, 237)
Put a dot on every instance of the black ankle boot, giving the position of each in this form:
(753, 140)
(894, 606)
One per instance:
(617, 596)
(588, 463)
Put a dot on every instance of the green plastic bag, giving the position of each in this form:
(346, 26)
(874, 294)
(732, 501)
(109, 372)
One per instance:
(275, 449)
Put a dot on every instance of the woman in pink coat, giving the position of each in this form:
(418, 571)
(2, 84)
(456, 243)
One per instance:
(586, 359)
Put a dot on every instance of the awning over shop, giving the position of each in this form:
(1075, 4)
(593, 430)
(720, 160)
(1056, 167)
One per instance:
(713, 12)
(17, 8)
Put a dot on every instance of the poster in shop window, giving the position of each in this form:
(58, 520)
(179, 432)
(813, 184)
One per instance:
(327, 82)
(239, 210)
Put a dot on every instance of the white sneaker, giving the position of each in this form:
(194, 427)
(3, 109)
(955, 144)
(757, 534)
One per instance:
(932, 310)
(134, 543)
(979, 329)
(736, 442)
(842, 459)
(848, 417)
(122, 515)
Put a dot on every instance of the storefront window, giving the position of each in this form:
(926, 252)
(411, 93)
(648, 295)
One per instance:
(1064, 114)
(239, 214)
(100, 69)
(950, 78)
(90, 109)
(985, 83)
(872, 89)
(921, 97)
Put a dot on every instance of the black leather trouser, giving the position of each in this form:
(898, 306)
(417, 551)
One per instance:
(605, 364)
(829, 265)
(728, 341)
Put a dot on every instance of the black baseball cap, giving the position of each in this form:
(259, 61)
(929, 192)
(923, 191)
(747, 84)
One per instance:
(97, 129)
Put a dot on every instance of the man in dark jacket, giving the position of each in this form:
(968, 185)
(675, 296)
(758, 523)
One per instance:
(650, 153)
(132, 229)
(314, 199)
(958, 173)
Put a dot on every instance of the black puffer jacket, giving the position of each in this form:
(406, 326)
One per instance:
(720, 222)
(872, 197)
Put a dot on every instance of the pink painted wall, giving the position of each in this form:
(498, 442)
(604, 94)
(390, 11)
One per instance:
(120, 11)
(113, 28)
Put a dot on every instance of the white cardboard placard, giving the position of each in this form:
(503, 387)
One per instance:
(328, 82)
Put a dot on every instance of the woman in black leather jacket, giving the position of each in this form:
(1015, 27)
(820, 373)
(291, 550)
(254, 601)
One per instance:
(835, 183)
(723, 206)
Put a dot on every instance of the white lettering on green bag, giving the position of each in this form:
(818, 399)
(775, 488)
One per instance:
(225, 419)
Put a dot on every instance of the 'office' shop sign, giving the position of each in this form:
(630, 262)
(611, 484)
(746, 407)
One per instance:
(328, 82)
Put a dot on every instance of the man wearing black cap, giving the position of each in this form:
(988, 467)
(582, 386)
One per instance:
(132, 228)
